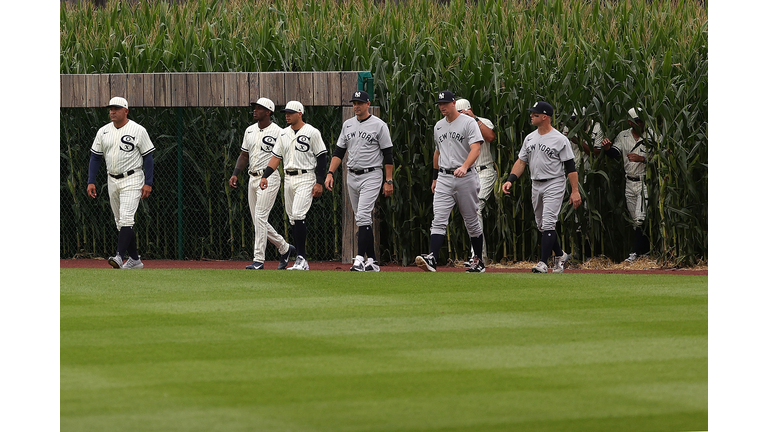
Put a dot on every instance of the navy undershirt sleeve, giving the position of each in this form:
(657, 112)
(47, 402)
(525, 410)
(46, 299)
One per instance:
(570, 166)
(322, 165)
(149, 169)
(387, 152)
(93, 168)
(340, 152)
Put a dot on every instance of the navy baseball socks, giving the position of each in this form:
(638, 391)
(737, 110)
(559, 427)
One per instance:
(126, 242)
(300, 237)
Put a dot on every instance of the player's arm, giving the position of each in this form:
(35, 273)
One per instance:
(474, 153)
(488, 134)
(610, 150)
(389, 166)
(322, 162)
(435, 169)
(271, 167)
(338, 156)
(149, 174)
(240, 165)
(93, 168)
(573, 178)
(517, 171)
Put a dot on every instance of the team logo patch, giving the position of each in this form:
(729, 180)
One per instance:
(267, 143)
(127, 143)
(357, 94)
(302, 143)
(441, 96)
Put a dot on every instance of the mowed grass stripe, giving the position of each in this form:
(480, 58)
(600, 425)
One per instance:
(400, 352)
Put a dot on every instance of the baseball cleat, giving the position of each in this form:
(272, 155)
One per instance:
(300, 264)
(358, 265)
(284, 257)
(632, 258)
(133, 264)
(467, 264)
(116, 261)
(372, 265)
(426, 262)
(560, 263)
(255, 266)
(477, 266)
(541, 267)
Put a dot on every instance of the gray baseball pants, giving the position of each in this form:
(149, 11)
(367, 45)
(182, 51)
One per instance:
(547, 198)
(451, 191)
(363, 191)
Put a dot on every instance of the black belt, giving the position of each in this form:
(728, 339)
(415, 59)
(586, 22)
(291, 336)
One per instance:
(256, 173)
(544, 180)
(634, 179)
(119, 176)
(451, 170)
(296, 172)
(482, 167)
(362, 171)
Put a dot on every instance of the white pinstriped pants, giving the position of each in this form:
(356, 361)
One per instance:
(260, 202)
(124, 197)
(298, 195)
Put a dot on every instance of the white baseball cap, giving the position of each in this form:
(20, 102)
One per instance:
(294, 107)
(266, 103)
(118, 102)
(634, 115)
(462, 104)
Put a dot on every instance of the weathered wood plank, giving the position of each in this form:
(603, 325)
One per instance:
(118, 86)
(272, 86)
(149, 89)
(135, 93)
(335, 97)
(79, 91)
(230, 90)
(320, 88)
(217, 89)
(253, 87)
(162, 89)
(92, 90)
(104, 96)
(178, 89)
(298, 86)
(241, 78)
(348, 86)
(192, 80)
(204, 89)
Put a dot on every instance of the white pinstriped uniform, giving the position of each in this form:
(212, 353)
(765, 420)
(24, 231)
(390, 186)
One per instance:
(299, 151)
(487, 175)
(635, 191)
(123, 150)
(258, 143)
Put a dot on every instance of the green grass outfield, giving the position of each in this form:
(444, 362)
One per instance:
(231, 350)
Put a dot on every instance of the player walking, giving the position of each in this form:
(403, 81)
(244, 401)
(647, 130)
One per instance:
(365, 139)
(629, 146)
(255, 153)
(485, 168)
(127, 150)
(304, 156)
(454, 181)
(549, 154)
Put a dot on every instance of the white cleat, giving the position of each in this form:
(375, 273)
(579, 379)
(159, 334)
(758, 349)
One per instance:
(300, 264)
(358, 265)
(632, 258)
(541, 267)
(116, 261)
(372, 265)
(133, 264)
(560, 263)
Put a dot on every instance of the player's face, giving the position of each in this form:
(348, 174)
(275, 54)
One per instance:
(538, 119)
(360, 108)
(260, 113)
(117, 114)
(638, 127)
(292, 118)
(446, 107)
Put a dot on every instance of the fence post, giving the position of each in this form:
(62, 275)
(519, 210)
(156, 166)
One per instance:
(179, 182)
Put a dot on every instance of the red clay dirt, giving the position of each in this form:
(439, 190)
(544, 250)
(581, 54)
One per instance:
(338, 266)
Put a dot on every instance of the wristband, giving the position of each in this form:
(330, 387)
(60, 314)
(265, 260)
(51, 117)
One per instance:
(435, 173)
(512, 178)
(268, 172)
(330, 172)
(236, 172)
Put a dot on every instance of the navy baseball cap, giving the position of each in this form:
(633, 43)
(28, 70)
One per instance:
(360, 96)
(446, 96)
(542, 107)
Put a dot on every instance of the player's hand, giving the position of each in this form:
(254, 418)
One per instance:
(145, 191)
(575, 199)
(264, 183)
(91, 190)
(606, 143)
(329, 182)
(506, 187)
(233, 182)
(434, 184)
(460, 172)
(388, 189)
(634, 157)
(317, 190)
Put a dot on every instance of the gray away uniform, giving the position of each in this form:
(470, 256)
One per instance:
(453, 140)
(364, 141)
(545, 155)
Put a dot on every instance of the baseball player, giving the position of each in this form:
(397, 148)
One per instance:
(484, 164)
(454, 181)
(255, 153)
(304, 156)
(582, 149)
(630, 146)
(127, 150)
(549, 154)
(365, 139)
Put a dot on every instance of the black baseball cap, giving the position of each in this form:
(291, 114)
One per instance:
(542, 107)
(360, 96)
(446, 96)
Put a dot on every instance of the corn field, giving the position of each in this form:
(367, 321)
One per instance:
(605, 57)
